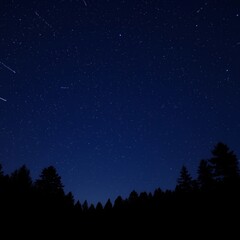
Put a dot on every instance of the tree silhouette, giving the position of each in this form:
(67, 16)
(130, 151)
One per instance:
(118, 203)
(91, 209)
(133, 197)
(184, 182)
(224, 163)
(21, 183)
(108, 206)
(157, 194)
(78, 207)
(18, 191)
(69, 199)
(50, 182)
(85, 206)
(144, 200)
(46, 199)
(205, 176)
(1, 178)
(2, 182)
(21, 178)
(1, 171)
(99, 207)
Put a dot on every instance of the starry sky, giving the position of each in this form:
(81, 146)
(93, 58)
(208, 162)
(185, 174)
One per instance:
(117, 94)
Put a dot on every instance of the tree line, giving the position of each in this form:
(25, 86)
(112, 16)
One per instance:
(217, 186)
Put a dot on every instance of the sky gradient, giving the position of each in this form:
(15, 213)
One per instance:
(117, 94)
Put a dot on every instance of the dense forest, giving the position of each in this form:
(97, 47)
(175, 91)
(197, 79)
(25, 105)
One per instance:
(213, 197)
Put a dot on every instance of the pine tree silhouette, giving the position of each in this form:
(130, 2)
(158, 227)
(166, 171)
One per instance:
(50, 182)
(1, 171)
(69, 201)
(119, 203)
(21, 179)
(205, 176)
(85, 206)
(99, 207)
(108, 206)
(78, 207)
(184, 182)
(224, 163)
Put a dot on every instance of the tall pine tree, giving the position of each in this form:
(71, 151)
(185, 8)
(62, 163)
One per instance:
(205, 176)
(184, 182)
(224, 163)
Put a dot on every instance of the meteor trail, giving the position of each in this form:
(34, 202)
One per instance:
(3, 99)
(42, 19)
(85, 3)
(10, 69)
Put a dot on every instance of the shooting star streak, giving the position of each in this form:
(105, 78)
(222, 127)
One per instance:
(10, 69)
(85, 3)
(3, 99)
(42, 19)
(199, 10)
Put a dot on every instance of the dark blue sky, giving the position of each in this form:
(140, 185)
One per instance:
(117, 94)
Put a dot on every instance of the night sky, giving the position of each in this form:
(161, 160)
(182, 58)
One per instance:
(117, 94)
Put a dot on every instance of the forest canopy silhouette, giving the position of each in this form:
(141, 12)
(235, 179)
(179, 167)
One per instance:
(213, 193)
